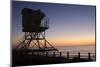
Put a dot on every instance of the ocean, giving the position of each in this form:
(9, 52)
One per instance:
(74, 50)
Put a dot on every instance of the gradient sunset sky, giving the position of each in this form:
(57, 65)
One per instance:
(69, 24)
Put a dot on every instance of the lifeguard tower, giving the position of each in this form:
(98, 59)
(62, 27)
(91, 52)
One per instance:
(34, 25)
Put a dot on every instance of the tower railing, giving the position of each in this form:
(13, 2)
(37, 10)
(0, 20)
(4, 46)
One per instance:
(45, 22)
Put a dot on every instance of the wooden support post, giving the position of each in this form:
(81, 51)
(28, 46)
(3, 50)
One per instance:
(67, 55)
(79, 55)
(89, 56)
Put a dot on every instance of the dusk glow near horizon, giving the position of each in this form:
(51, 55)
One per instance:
(69, 24)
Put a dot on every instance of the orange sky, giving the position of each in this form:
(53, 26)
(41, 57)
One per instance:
(66, 40)
(85, 40)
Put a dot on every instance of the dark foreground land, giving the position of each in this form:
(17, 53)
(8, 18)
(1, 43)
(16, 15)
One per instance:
(24, 60)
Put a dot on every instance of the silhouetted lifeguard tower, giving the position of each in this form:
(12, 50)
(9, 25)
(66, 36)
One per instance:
(34, 25)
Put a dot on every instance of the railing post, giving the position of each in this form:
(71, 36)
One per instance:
(37, 53)
(46, 53)
(79, 55)
(54, 54)
(89, 56)
(60, 54)
(67, 55)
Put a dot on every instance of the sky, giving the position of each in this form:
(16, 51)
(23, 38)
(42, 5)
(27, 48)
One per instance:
(69, 24)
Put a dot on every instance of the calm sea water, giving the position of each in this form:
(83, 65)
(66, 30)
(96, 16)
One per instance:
(88, 48)
(73, 50)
